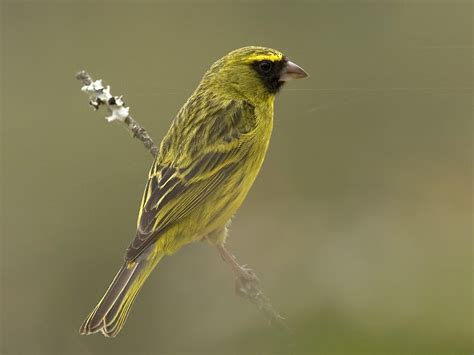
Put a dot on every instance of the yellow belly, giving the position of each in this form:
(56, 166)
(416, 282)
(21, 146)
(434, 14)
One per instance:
(219, 207)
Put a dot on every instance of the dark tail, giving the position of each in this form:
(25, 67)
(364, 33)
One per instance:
(110, 314)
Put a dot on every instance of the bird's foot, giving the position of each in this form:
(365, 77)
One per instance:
(247, 273)
(246, 281)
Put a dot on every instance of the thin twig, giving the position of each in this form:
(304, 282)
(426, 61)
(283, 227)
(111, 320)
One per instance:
(247, 286)
(246, 281)
(100, 95)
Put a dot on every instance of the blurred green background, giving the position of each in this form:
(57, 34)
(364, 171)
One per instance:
(359, 225)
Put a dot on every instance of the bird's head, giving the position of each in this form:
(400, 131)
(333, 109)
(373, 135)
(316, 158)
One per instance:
(254, 73)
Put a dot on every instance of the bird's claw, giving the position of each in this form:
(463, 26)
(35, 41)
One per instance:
(247, 273)
(246, 282)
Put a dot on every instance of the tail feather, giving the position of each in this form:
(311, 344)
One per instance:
(110, 314)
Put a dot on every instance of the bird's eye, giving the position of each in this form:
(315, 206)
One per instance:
(265, 66)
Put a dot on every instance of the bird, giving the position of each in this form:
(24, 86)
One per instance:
(206, 165)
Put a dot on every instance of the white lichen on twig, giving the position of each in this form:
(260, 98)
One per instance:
(101, 96)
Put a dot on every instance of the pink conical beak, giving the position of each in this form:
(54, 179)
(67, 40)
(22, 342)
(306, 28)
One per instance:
(292, 71)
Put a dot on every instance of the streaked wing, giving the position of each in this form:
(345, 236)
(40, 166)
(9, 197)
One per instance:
(173, 192)
(170, 202)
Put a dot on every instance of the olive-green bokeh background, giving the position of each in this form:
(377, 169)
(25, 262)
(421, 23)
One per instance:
(359, 224)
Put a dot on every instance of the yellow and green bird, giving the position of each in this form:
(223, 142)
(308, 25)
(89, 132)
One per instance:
(206, 165)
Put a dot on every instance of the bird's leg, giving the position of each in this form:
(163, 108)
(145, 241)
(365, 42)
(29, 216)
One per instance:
(246, 282)
(247, 286)
(245, 279)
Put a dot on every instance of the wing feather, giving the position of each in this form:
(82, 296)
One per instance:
(175, 189)
(167, 212)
